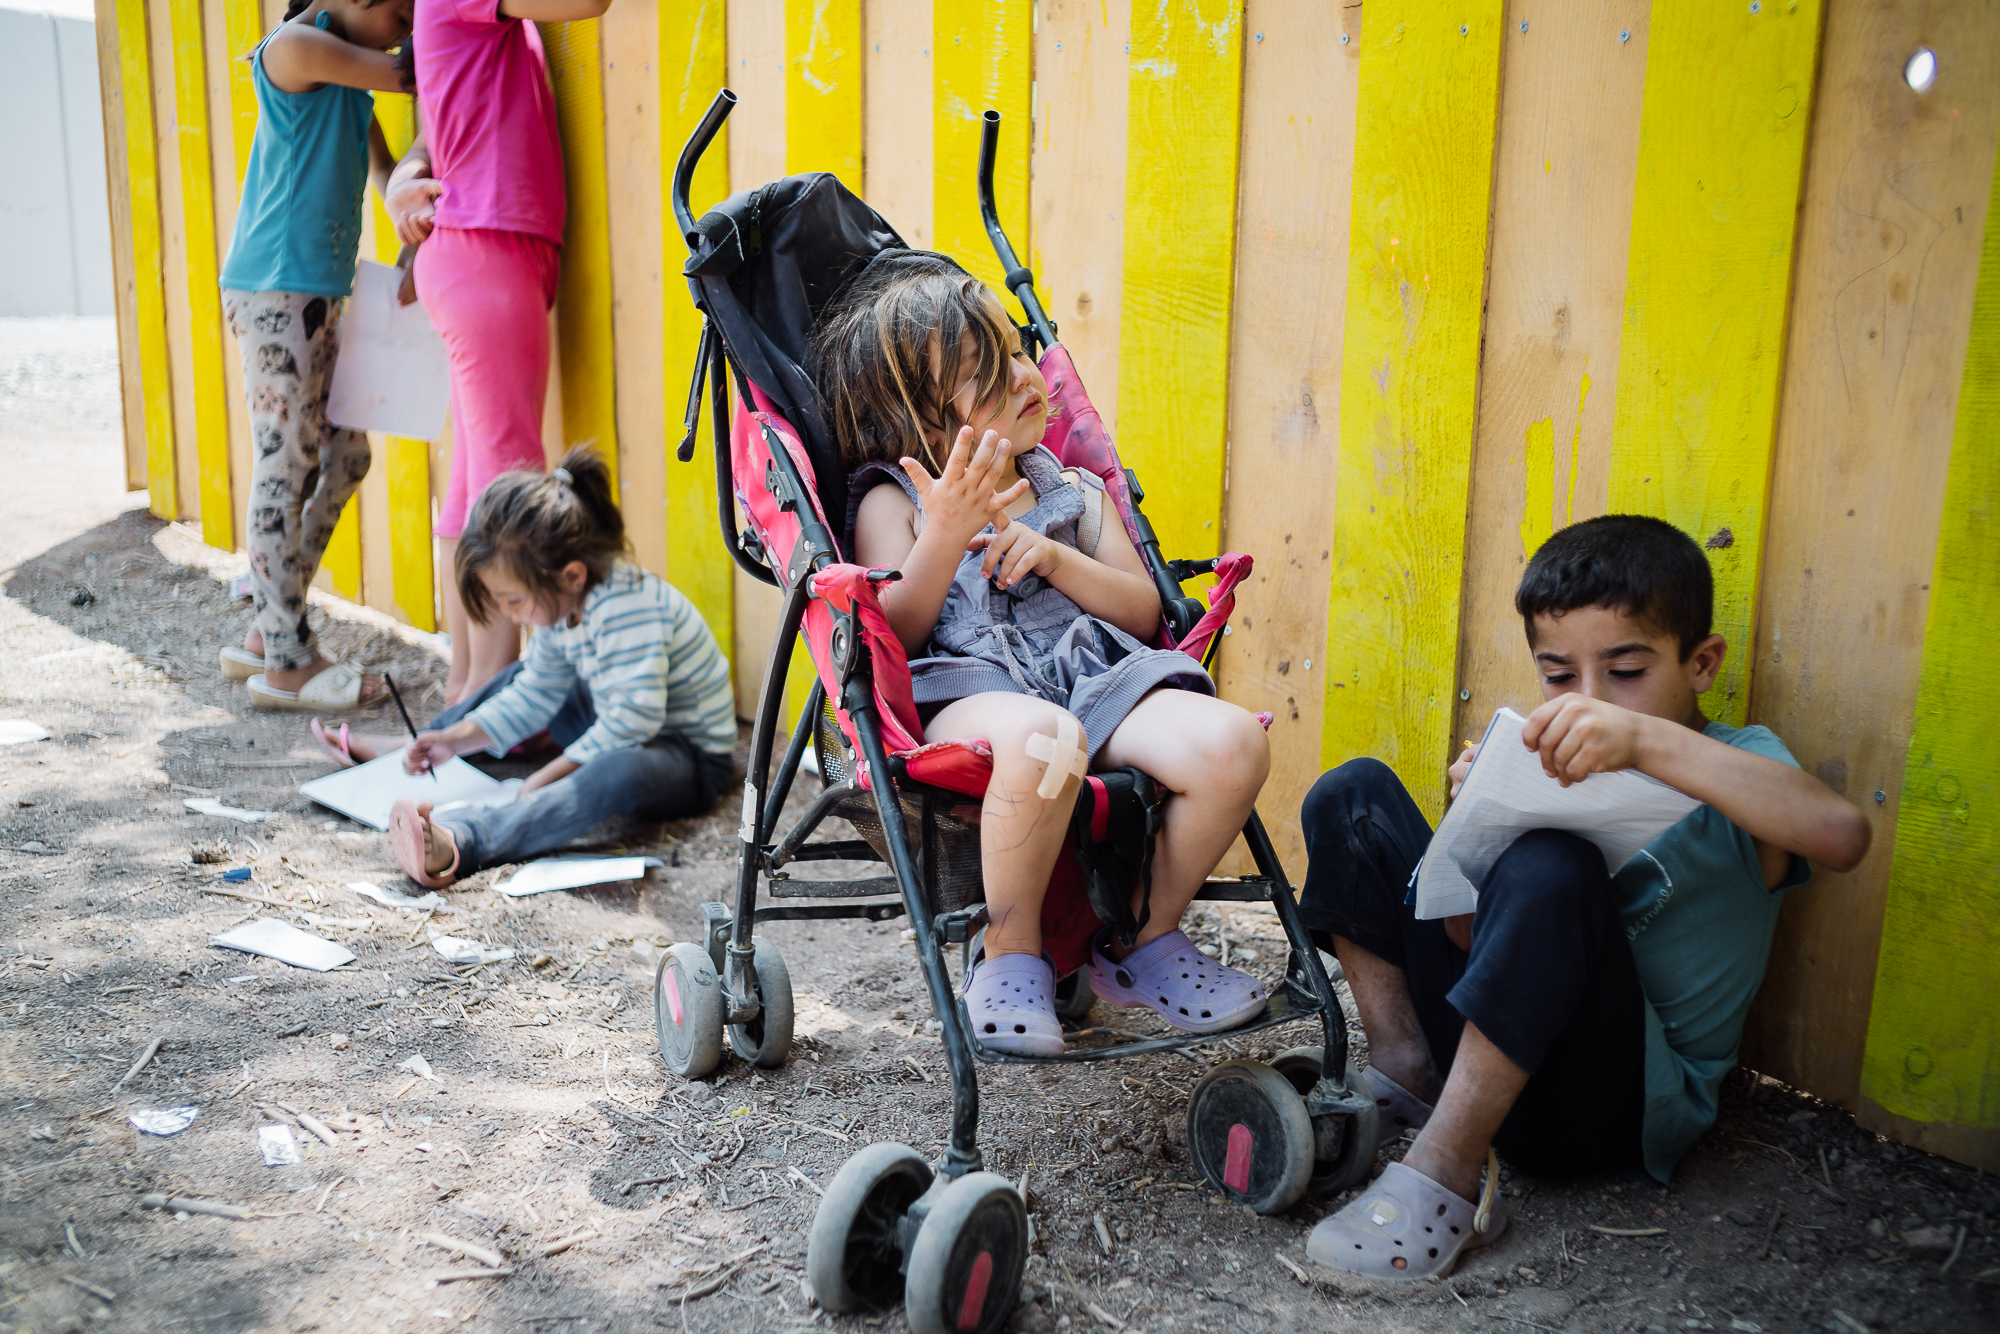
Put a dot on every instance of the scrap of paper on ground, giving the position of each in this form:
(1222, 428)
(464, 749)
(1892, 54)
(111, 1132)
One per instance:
(574, 873)
(286, 943)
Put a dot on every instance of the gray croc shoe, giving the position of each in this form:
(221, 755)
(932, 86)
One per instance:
(1178, 982)
(1404, 1227)
(1011, 999)
(1399, 1108)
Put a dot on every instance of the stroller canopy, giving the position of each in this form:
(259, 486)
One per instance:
(768, 262)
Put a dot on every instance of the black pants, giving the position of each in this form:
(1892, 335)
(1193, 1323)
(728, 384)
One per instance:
(1549, 980)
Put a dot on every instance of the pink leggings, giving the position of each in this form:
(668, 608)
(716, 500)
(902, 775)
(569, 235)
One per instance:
(488, 293)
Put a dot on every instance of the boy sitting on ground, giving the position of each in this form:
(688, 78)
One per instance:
(1579, 1020)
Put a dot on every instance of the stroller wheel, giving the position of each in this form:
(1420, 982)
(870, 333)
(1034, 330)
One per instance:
(767, 1039)
(1249, 1135)
(1343, 1146)
(965, 1269)
(687, 1010)
(1074, 996)
(853, 1260)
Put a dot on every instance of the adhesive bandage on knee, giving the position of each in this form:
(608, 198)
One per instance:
(1064, 753)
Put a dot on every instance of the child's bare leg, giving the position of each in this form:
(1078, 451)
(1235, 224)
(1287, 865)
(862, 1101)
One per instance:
(1478, 1094)
(1020, 833)
(1396, 1043)
(1214, 758)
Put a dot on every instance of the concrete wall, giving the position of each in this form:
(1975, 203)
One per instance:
(54, 223)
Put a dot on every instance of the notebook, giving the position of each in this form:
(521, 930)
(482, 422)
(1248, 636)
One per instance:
(1506, 794)
(367, 791)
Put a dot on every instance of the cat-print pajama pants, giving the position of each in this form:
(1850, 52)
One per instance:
(303, 468)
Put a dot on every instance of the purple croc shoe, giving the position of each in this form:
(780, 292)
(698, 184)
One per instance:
(1178, 982)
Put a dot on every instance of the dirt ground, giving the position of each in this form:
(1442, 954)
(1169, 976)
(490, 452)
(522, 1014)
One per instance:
(549, 1094)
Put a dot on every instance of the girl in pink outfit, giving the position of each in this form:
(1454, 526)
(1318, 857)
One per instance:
(482, 189)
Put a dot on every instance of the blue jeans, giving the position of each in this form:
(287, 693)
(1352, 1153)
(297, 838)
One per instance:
(666, 779)
(1549, 980)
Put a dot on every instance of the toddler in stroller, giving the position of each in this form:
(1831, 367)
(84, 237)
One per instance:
(1024, 630)
(1041, 655)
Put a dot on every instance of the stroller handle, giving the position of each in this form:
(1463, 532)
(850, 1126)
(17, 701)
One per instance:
(697, 144)
(1020, 280)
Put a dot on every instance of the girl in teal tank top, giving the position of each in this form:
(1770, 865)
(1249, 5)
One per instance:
(289, 270)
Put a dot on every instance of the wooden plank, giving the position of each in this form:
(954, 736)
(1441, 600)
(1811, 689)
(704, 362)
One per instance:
(1081, 77)
(1929, 1074)
(896, 121)
(1888, 257)
(1568, 147)
(122, 192)
(1423, 167)
(635, 207)
(228, 83)
(204, 302)
(1299, 95)
(693, 64)
(984, 59)
(176, 355)
(1185, 97)
(1722, 140)
(244, 25)
(584, 352)
(823, 75)
(756, 61)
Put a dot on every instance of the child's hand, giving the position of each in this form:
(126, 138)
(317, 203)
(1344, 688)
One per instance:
(412, 206)
(1014, 551)
(1577, 736)
(1461, 768)
(961, 500)
(427, 752)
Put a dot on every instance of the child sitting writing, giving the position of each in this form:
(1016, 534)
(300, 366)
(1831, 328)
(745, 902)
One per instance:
(1009, 626)
(1580, 1019)
(620, 668)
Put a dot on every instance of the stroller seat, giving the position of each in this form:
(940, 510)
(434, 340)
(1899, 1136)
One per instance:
(949, 1237)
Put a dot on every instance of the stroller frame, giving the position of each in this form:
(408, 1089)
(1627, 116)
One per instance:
(1333, 1101)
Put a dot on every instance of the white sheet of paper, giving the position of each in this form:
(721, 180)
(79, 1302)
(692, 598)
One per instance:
(574, 873)
(392, 375)
(367, 791)
(1506, 794)
(389, 898)
(210, 806)
(14, 731)
(286, 943)
(460, 950)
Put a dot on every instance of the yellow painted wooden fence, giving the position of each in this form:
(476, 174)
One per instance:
(1382, 296)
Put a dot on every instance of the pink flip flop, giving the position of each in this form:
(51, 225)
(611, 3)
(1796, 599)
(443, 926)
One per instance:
(337, 749)
(1178, 982)
(1011, 999)
(1404, 1216)
(406, 836)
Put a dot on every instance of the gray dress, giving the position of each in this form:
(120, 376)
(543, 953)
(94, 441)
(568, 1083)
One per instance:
(1031, 639)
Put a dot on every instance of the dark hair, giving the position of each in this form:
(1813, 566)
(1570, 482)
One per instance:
(1641, 566)
(532, 524)
(871, 355)
(406, 54)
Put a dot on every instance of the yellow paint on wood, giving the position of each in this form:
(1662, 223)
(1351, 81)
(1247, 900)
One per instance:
(583, 293)
(408, 465)
(982, 58)
(110, 86)
(342, 562)
(823, 88)
(1722, 143)
(1185, 103)
(1540, 460)
(693, 68)
(245, 29)
(1423, 167)
(211, 412)
(156, 398)
(1931, 1039)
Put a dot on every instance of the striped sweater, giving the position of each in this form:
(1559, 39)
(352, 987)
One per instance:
(648, 659)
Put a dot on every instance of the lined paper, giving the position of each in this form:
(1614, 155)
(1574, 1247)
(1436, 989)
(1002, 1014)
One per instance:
(1506, 795)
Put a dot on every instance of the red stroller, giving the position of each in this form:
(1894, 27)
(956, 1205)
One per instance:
(949, 1238)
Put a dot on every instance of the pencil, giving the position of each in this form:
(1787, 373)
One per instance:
(397, 695)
